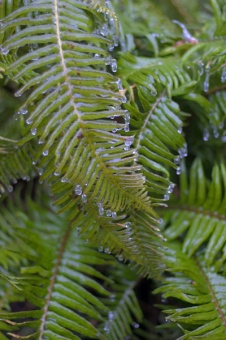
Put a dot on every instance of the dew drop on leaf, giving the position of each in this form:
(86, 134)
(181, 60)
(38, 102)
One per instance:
(206, 135)
(113, 66)
(84, 198)
(33, 131)
(78, 190)
(10, 188)
(111, 316)
(178, 170)
(114, 214)
(45, 153)
(223, 75)
(206, 81)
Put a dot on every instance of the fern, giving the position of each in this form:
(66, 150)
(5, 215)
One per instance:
(101, 101)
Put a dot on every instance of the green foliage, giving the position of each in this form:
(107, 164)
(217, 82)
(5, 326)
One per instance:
(101, 101)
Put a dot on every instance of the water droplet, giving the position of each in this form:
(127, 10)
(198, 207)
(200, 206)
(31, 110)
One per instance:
(4, 50)
(111, 47)
(183, 152)
(180, 129)
(114, 214)
(33, 131)
(127, 117)
(34, 162)
(119, 84)
(201, 68)
(64, 179)
(128, 143)
(84, 198)
(224, 137)
(126, 129)
(178, 170)
(206, 81)
(112, 297)
(106, 328)
(41, 141)
(113, 66)
(104, 30)
(40, 172)
(100, 249)
(127, 225)
(57, 173)
(120, 257)
(111, 316)
(10, 188)
(78, 190)
(108, 213)
(206, 135)
(29, 121)
(123, 99)
(107, 251)
(45, 153)
(136, 325)
(223, 75)
(166, 197)
(22, 111)
(100, 209)
(170, 188)
(215, 132)
(96, 55)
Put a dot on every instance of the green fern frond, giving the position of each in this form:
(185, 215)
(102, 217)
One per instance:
(200, 213)
(202, 291)
(157, 120)
(73, 118)
(123, 304)
(16, 162)
(57, 281)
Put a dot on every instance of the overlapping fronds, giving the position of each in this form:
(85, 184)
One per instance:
(73, 106)
(125, 313)
(202, 291)
(70, 117)
(59, 279)
(15, 163)
(200, 214)
(156, 119)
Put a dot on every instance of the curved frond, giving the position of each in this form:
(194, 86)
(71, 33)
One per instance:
(16, 162)
(157, 120)
(200, 213)
(202, 291)
(77, 115)
(125, 313)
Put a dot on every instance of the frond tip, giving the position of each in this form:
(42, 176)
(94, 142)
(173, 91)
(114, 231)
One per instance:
(202, 291)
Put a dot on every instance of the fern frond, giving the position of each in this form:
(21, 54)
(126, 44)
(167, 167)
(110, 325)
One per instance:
(73, 118)
(125, 313)
(16, 162)
(200, 213)
(203, 292)
(57, 282)
(157, 120)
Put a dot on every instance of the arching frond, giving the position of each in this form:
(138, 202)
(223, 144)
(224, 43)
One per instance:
(200, 213)
(57, 281)
(72, 118)
(125, 313)
(15, 163)
(202, 291)
(157, 120)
